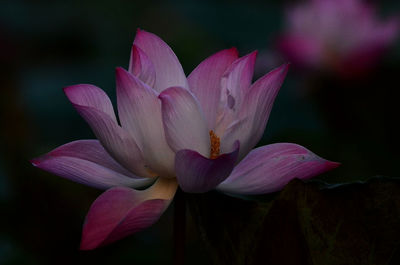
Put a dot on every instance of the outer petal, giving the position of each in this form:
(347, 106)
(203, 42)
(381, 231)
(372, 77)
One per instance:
(255, 112)
(121, 211)
(184, 123)
(140, 113)
(269, 168)
(116, 140)
(197, 174)
(87, 162)
(141, 66)
(90, 96)
(205, 82)
(169, 71)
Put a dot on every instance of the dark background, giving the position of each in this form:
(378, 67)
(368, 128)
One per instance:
(47, 45)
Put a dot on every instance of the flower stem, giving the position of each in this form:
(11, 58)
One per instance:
(179, 227)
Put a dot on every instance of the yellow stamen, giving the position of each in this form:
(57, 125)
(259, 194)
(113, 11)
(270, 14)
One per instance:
(151, 172)
(215, 145)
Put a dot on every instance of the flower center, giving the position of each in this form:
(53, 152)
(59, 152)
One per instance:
(215, 145)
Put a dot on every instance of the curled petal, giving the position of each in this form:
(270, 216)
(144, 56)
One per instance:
(196, 173)
(86, 162)
(140, 113)
(90, 96)
(205, 82)
(269, 168)
(254, 114)
(121, 211)
(141, 66)
(235, 85)
(184, 123)
(168, 69)
(238, 77)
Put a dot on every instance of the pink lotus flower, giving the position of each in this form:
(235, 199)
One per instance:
(343, 35)
(195, 132)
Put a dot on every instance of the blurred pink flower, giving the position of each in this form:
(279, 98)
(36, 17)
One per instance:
(342, 35)
(195, 132)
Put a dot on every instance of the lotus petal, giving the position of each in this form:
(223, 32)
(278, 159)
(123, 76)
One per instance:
(122, 211)
(269, 168)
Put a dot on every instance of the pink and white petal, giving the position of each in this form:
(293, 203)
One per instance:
(140, 113)
(235, 84)
(238, 130)
(118, 143)
(168, 69)
(92, 151)
(122, 211)
(255, 111)
(95, 107)
(141, 66)
(205, 82)
(91, 96)
(239, 76)
(196, 173)
(269, 168)
(184, 123)
(87, 172)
